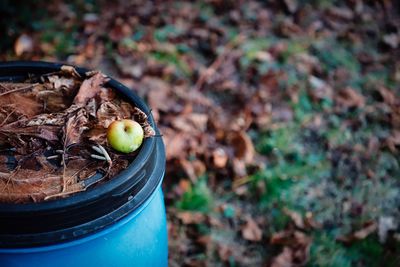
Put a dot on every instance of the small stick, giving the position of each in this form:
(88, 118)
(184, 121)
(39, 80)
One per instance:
(66, 193)
(59, 151)
(18, 89)
(8, 116)
(98, 157)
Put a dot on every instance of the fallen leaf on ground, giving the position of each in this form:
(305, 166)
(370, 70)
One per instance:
(243, 146)
(175, 143)
(296, 248)
(188, 217)
(220, 158)
(369, 228)
(349, 97)
(251, 231)
(296, 218)
(23, 44)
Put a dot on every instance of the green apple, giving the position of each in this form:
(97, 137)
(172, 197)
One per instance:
(125, 135)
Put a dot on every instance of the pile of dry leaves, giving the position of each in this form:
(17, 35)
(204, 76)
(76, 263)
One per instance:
(53, 134)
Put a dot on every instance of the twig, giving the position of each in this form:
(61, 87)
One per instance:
(10, 178)
(18, 89)
(7, 117)
(2, 86)
(65, 193)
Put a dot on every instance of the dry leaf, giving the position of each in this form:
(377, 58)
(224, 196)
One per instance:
(188, 217)
(24, 44)
(291, 5)
(296, 248)
(175, 143)
(284, 259)
(159, 95)
(251, 231)
(61, 82)
(224, 252)
(389, 97)
(74, 127)
(393, 141)
(220, 158)
(348, 97)
(320, 88)
(296, 218)
(189, 169)
(243, 146)
(369, 228)
(90, 88)
(392, 39)
(141, 118)
(190, 122)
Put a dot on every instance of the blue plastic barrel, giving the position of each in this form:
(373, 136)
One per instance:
(119, 223)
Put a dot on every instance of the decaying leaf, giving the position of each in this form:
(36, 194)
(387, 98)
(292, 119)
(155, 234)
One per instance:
(296, 217)
(23, 44)
(75, 126)
(220, 158)
(244, 149)
(141, 117)
(369, 228)
(348, 97)
(188, 217)
(296, 248)
(90, 88)
(251, 231)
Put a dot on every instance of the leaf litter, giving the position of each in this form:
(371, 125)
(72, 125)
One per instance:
(313, 86)
(53, 134)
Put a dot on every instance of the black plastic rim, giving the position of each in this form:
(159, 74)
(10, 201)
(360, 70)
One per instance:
(54, 221)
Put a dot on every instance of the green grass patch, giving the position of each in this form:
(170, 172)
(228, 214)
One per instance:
(325, 251)
(197, 198)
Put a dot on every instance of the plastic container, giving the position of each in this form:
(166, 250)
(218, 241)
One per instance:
(119, 223)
